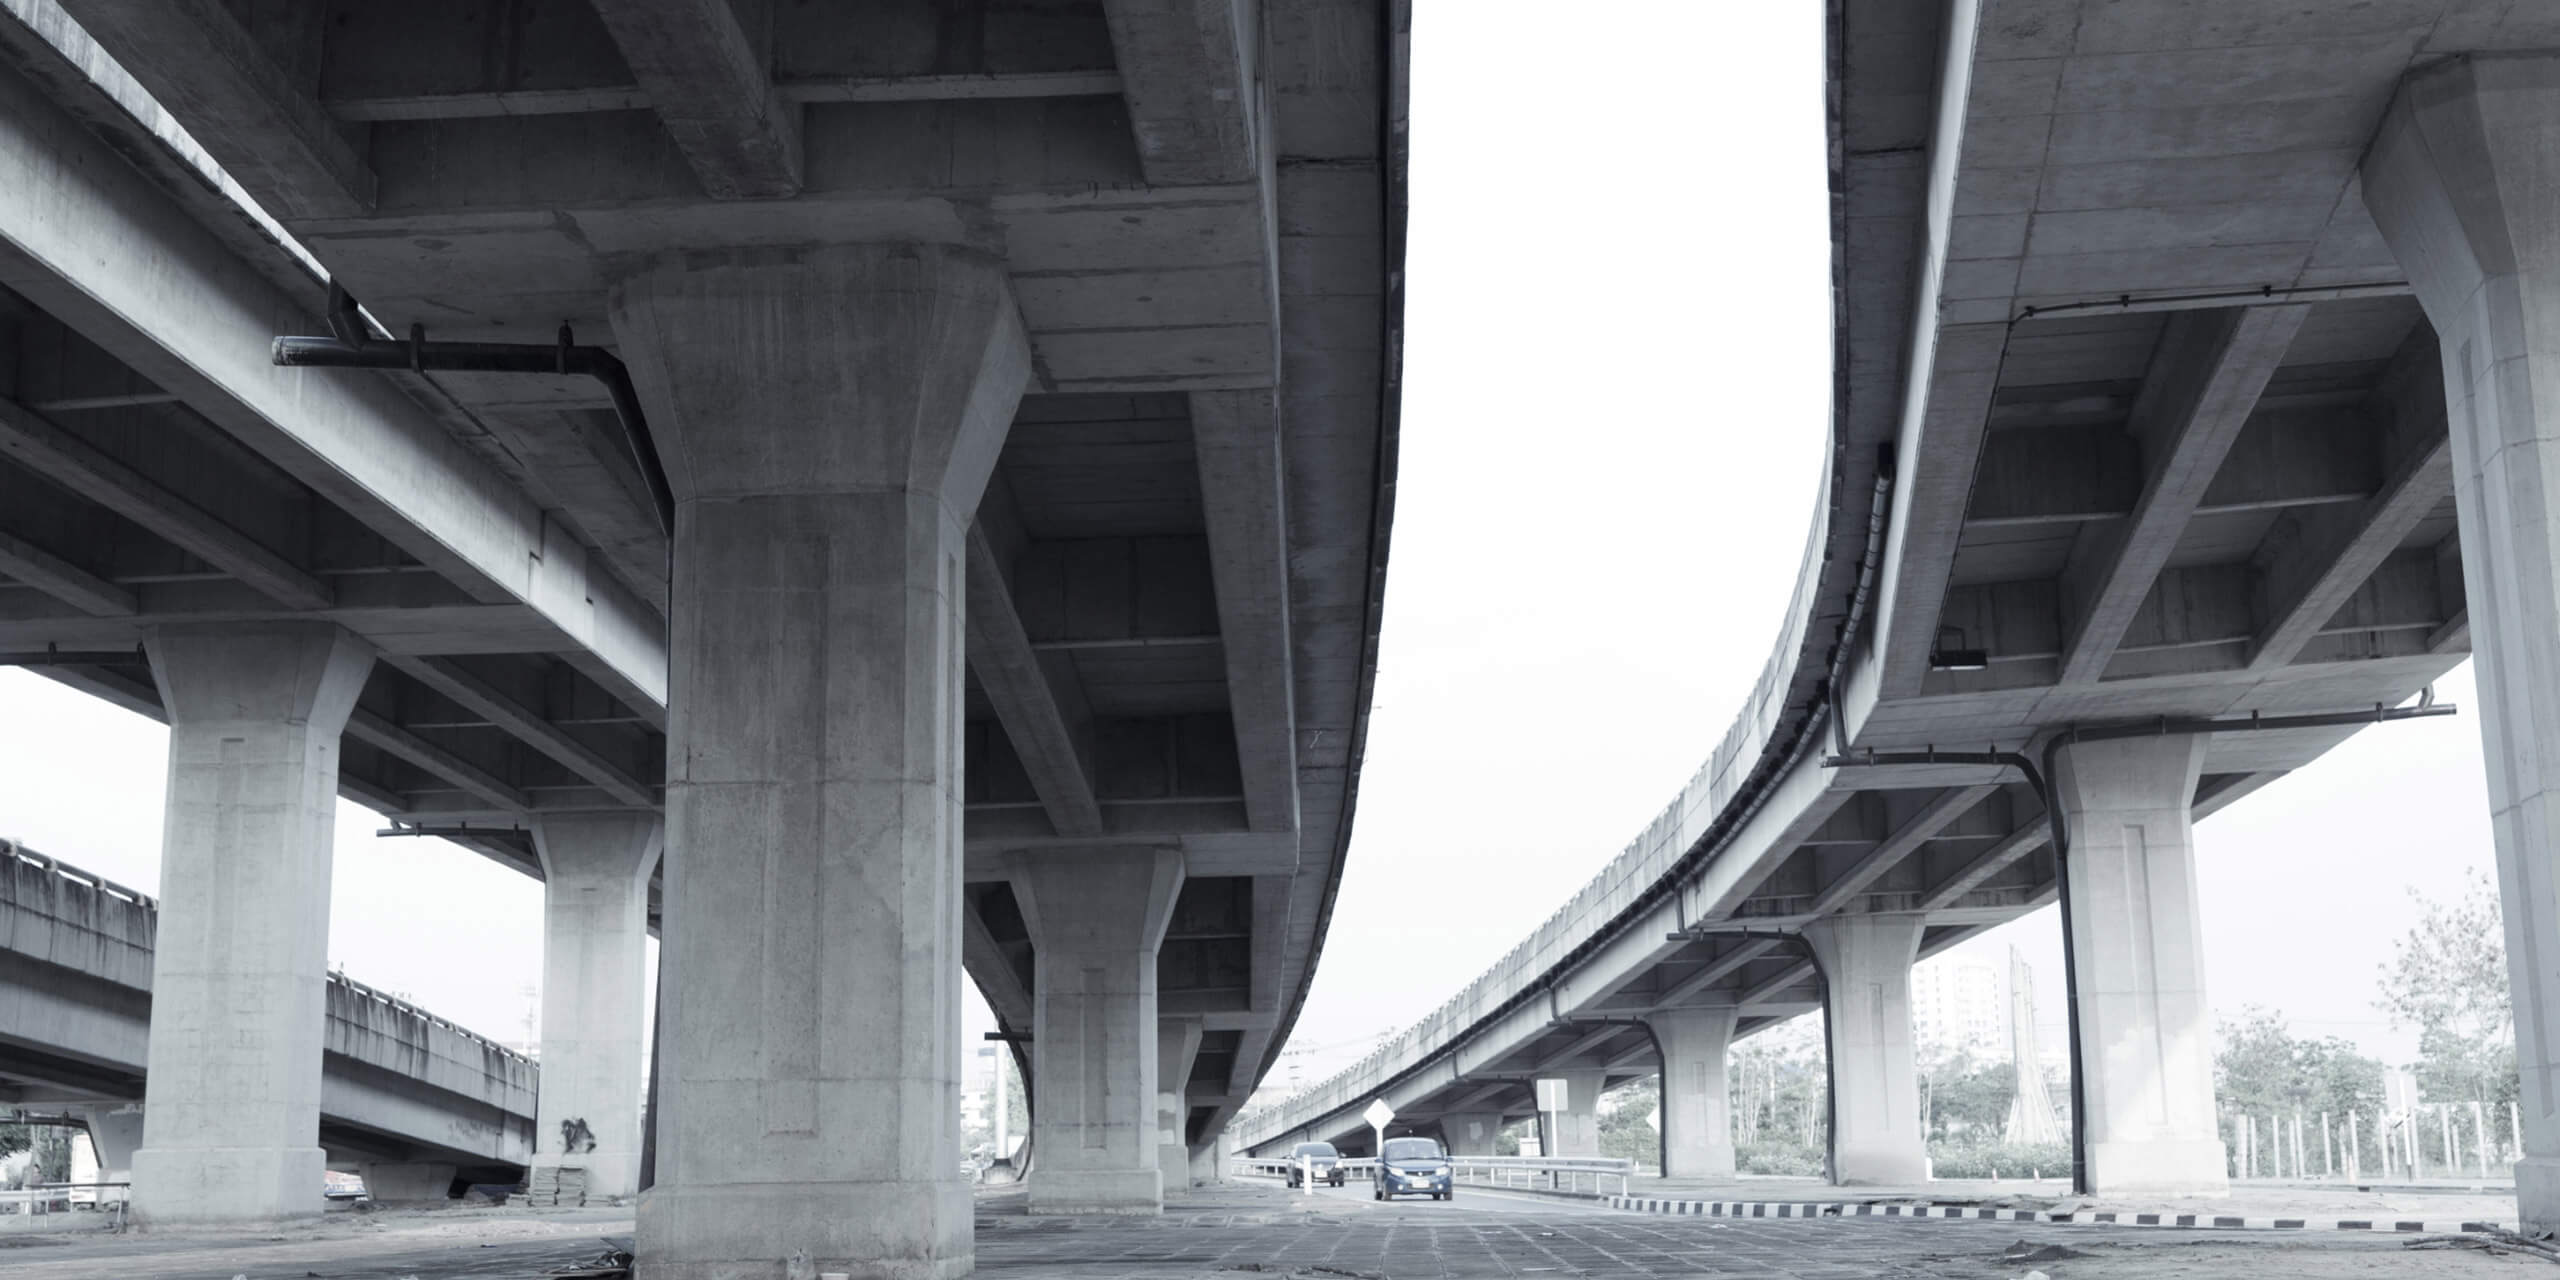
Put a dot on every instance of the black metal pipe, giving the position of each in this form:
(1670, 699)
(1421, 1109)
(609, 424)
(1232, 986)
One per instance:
(349, 347)
(56, 656)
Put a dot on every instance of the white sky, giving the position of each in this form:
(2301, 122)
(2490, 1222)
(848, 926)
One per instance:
(1616, 393)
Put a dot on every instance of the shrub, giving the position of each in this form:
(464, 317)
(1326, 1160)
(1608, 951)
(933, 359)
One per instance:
(2052, 1160)
(1782, 1158)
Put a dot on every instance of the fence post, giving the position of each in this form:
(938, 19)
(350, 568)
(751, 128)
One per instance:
(2328, 1153)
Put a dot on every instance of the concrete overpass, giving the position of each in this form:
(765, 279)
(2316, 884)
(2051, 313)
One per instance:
(408, 1099)
(2175, 435)
(984, 560)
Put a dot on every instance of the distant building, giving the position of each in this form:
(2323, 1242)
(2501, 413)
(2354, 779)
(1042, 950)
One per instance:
(1956, 1007)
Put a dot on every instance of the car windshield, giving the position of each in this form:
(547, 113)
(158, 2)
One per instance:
(1316, 1149)
(1411, 1149)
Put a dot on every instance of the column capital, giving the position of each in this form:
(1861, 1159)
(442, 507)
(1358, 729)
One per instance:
(825, 369)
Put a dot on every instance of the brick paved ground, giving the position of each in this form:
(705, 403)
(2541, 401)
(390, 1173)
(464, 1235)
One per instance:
(1238, 1233)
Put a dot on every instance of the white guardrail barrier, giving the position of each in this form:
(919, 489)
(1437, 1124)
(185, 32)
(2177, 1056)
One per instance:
(23, 1209)
(1593, 1176)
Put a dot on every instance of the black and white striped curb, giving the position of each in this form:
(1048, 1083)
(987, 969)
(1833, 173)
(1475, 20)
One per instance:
(2199, 1221)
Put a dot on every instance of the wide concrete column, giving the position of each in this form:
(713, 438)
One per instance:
(1574, 1131)
(1697, 1123)
(115, 1136)
(1177, 1043)
(1096, 917)
(1875, 1086)
(1470, 1133)
(1209, 1162)
(828, 418)
(2460, 181)
(240, 964)
(595, 995)
(2146, 1033)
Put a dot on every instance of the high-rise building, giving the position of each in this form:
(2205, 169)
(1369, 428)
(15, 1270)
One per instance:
(1956, 1007)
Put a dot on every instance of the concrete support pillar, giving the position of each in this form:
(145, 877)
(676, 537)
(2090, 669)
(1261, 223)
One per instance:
(407, 1182)
(595, 995)
(115, 1136)
(2459, 180)
(240, 965)
(1697, 1124)
(1470, 1133)
(1209, 1162)
(828, 418)
(1177, 1043)
(2146, 1033)
(1574, 1131)
(1875, 1086)
(1096, 917)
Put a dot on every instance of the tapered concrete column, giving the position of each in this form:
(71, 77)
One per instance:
(240, 965)
(1470, 1133)
(114, 1136)
(1209, 1162)
(1177, 1043)
(595, 895)
(2146, 1033)
(828, 418)
(1697, 1124)
(2460, 181)
(1096, 918)
(1574, 1131)
(1875, 1088)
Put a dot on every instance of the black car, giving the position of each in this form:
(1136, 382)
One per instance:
(1326, 1162)
(1412, 1166)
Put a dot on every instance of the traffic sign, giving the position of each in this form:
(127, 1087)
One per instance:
(1378, 1114)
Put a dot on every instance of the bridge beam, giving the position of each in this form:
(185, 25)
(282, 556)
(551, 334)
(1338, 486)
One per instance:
(2455, 180)
(1574, 1131)
(828, 420)
(2138, 970)
(595, 902)
(240, 967)
(1096, 921)
(1875, 1086)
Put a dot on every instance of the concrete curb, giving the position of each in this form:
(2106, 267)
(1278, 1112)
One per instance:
(2084, 1217)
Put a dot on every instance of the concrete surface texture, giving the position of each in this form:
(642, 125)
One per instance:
(829, 418)
(595, 933)
(2146, 1027)
(1875, 1086)
(2145, 414)
(2459, 180)
(240, 964)
(1100, 917)
(1217, 1233)
(1696, 1110)
(397, 1083)
(1174, 554)
(1177, 1048)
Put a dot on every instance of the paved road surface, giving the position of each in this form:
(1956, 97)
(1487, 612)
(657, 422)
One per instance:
(1233, 1233)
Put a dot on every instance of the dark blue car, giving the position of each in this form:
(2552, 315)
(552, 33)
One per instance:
(1412, 1167)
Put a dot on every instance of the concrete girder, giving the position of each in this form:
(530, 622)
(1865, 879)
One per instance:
(366, 726)
(46, 449)
(1242, 493)
(1961, 881)
(63, 580)
(706, 79)
(175, 306)
(1046, 719)
(1726, 963)
(2204, 379)
(211, 71)
(446, 677)
(1582, 1044)
(2316, 561)
(1191, 86)
(1950, 805)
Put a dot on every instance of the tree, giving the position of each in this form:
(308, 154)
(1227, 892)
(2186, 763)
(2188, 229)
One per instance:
(2262, 1067)
(1624, 1130)
(1969, 1100)
(2448, 978)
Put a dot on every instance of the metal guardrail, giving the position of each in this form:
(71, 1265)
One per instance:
(20, 1209)
(1596, 1177)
